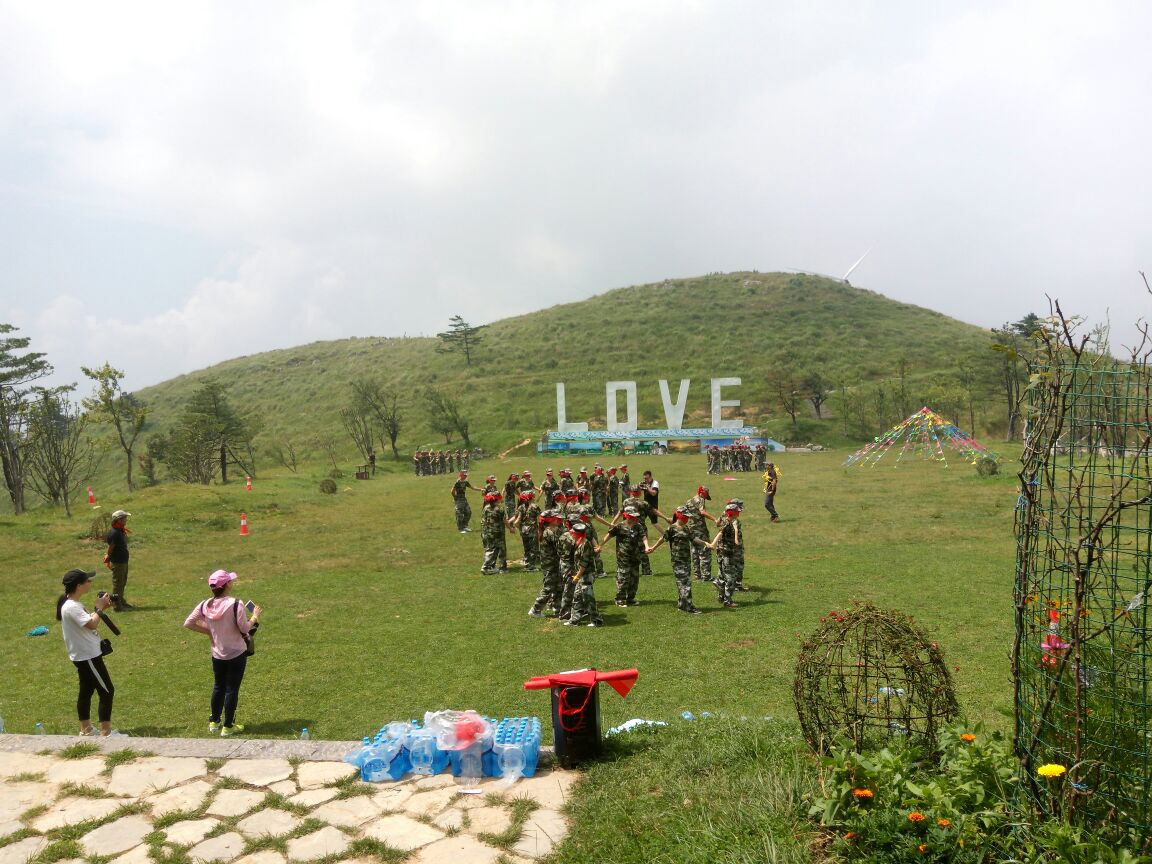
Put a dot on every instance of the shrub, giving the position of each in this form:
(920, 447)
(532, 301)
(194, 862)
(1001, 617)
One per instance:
(328, 486)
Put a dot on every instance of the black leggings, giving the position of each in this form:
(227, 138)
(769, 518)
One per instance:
(94, 678)
(226, 691)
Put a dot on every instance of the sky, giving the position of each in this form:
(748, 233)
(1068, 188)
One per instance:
(181, 184)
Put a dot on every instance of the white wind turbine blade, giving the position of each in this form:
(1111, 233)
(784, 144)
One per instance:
(854, 266)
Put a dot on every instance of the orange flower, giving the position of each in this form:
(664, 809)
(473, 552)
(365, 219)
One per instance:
(944, 823)
(862, 793)
(968, 737)
(850, 836)
(922, 848)
(914, 816)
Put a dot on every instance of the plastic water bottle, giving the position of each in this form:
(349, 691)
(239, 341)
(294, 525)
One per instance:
(38, 729)
(471, 768)
(891, 691)
(304, 734)
(688, 715)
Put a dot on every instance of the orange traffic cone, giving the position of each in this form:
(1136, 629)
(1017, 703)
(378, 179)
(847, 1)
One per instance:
(248, 483)
(243, 524)
(91, 496)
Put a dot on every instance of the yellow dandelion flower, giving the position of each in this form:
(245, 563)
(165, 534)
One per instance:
(1051, 770)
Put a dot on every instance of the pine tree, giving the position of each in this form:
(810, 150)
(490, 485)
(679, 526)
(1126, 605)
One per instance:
(460, 338)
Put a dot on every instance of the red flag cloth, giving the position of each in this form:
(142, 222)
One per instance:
(620, 680)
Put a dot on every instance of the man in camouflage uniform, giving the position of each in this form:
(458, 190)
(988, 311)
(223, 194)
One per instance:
(698, 518)
(624, 482)
(527, 514)
(548, 488)
(584, 610)
(729, 541)
(460, 502)
(526, 484)
(492, 535)
(680, 544)
(551, 592)
(629, 534)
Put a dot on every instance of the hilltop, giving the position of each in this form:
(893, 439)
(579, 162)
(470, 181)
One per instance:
(744, 325)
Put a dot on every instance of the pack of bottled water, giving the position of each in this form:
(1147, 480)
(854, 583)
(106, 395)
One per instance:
(472, 745)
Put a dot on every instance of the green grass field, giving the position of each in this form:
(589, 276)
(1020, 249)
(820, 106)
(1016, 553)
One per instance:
(375, 608)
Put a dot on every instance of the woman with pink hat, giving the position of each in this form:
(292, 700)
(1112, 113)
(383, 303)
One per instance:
(226, 620)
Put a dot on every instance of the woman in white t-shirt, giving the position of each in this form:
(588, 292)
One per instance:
(82, 639)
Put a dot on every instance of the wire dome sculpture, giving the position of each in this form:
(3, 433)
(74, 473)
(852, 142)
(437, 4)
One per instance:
(869, 675)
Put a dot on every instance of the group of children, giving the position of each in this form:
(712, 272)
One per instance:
(560, 538)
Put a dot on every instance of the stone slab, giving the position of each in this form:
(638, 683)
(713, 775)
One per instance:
(22, 851)
(82, 772)
(311, 775)
(402, 832)
(70, 811)
(15, 798)
(187, 798)
(12, 764)
(312, 797)
(222, 848)
(349, 812)
(451, 819)
(284, 787)
(455, 850)
(257, 772)
(489, 820)
(116, 837)
(264, 856)
(139, 855)
(551, 790)
(153, 774)
(393, 797)
(189, 831)
(434, 781)
(234, 802)
(430, 803)
(319, 844)
(10, 826)
(543, 830)
(269, 822)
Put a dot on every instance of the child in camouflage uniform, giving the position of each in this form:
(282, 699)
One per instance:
(680, 542)
(698, 517)
(527, 514)
(460, 502)
(551, 592)
(493, 522)
(730, 541)
(584, 610)
(629, 534)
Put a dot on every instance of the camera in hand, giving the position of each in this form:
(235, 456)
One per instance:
(115, 598)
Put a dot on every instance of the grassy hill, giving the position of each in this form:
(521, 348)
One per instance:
(739, 324)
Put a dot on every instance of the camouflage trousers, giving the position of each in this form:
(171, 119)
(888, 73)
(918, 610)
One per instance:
(702, 560)
(645, 563)
(495, 553)
(463, 513)
(584, 609)
(599, 505)
(627, 579)
(613, 502)
(550, 592)
(567, 592)
(682, 571)
(731, 575)
(531, 549)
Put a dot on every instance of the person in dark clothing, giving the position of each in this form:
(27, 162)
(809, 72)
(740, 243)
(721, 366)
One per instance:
(117, 559)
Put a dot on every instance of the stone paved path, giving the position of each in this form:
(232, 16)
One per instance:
(133, 800)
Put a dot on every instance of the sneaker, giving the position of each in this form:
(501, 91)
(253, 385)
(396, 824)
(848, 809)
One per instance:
(595, 623)
(228, 731)
(115, 733)
(125, 606)
(621, 603)
(567, 622)
(467, 530)
(213, 727)
(535, 614)
(739, 588)
(775, 518)
(730, 605)
(693, 611)
(633, 603)
(463, 532)
(90, 732)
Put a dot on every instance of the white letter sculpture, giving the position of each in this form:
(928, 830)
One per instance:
(674, 411)
(629, 388)
(718, 404)
(562, 424)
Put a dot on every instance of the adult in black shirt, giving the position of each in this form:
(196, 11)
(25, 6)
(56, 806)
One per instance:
(117, 559)
(651, 495)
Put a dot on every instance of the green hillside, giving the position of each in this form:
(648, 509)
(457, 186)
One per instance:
(740, 324)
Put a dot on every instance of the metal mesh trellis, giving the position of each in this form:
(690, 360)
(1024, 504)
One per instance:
(1081, 659)
(869, 675)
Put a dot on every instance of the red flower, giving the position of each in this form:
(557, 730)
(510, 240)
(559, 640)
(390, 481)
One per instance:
(915, 816)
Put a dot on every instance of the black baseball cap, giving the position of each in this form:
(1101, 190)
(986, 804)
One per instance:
(77, 577)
